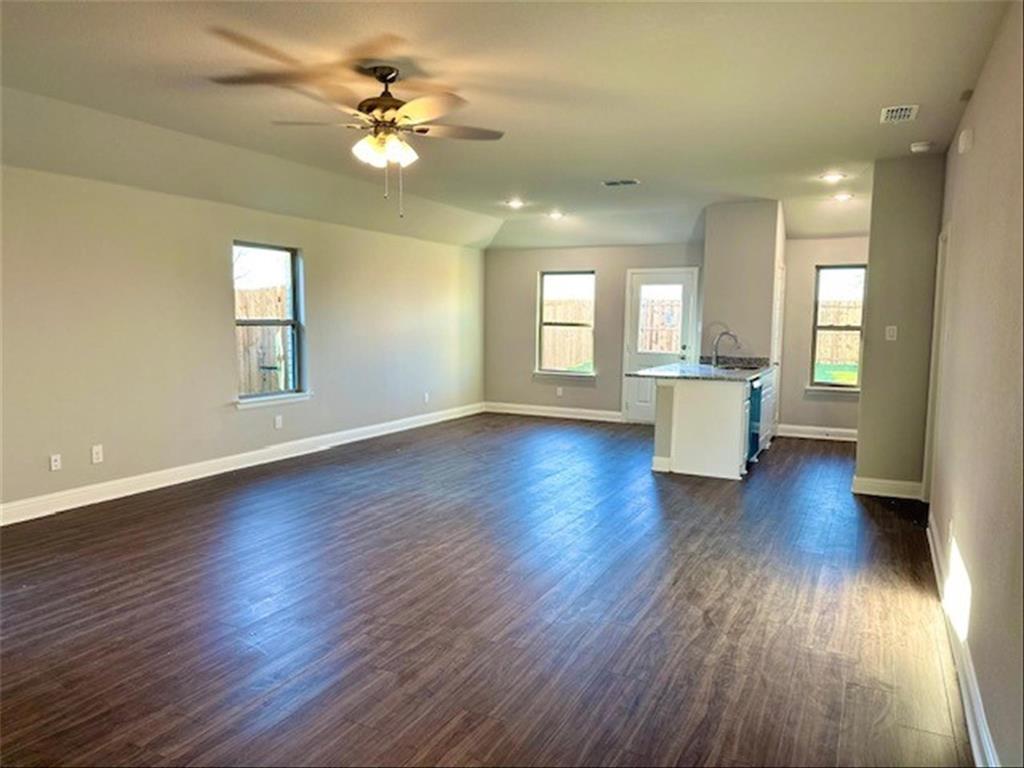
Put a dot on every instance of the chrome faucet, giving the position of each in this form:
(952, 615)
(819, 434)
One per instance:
(718, 338)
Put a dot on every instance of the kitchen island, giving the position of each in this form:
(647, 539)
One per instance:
(711, 420)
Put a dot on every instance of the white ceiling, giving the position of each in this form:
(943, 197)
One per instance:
(701, 102)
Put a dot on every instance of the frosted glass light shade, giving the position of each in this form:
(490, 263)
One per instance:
(370, 150)
(397, 150)
(382, 149)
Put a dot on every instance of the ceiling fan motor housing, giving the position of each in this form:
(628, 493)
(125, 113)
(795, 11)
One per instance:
(378, 105)
(383, 73)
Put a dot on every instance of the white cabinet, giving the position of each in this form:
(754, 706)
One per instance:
(703, 419)
(708, 427)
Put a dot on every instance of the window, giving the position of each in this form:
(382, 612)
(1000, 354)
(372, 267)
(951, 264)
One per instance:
(268, 330)
(566, 334)
(660, 322)
(838, 314)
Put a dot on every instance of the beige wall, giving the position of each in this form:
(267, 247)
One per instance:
(778, 288)
(798, 405)
(51, 135)
(511, 320)
(906, 214)
(976, 487)
(741, 247)
(118, 329)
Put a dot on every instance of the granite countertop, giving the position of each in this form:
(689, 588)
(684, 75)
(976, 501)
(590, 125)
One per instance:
(699, 371)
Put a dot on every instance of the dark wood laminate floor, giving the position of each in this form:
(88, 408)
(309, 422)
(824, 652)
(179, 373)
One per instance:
(494, 590)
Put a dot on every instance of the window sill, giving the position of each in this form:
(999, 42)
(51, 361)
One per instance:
(818, 389)
(566, 374)
(243, 404)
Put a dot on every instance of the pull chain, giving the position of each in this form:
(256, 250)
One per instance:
(401, 205)
(401, 202)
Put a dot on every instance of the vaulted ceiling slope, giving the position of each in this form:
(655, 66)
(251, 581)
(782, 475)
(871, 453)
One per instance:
(52, 135)
(701, 102)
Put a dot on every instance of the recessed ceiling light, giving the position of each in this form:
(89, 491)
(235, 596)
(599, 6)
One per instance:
(515, 203)
(842, 197)
(832, 177)
(556, 215)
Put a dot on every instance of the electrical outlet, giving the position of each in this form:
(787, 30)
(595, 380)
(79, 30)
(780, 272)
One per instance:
(54, 462)
(278, 421)
(558, 391)
(891, 332)
(97, 453)
(426, 397)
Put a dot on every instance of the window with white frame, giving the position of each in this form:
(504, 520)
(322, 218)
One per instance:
(838, 317)
(565, 333)
(268, 320)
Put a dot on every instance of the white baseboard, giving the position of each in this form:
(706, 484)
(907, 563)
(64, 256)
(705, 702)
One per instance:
(817, 433)
(661, 464)
(982, 747)
(897, 489)
(553, 411)
(51, 503)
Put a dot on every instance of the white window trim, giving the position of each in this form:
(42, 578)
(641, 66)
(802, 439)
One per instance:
(262, 401)
(565, 374)
(539, 326)
(301, 391)
(813, 386)
(833, 390)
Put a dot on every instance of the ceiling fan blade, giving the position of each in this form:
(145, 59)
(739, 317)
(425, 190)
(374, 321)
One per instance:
(420, 85)
(254, 46)
(325, 94)
(330, 72)
(427, 108)
(313, 122)
(309, 85)
(380, 47)
(457, 132)
(337, 94)
(284, 77)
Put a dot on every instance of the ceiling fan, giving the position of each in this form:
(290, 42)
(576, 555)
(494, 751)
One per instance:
(387, 119)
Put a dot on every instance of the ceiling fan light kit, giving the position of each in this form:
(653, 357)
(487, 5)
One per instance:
(383, 149)
(386, 117)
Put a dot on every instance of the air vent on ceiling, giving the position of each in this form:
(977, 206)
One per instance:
(620, 182)
(901, 113)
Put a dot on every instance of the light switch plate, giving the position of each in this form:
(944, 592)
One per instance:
(55, 462)
(278, 421)
(97, 453)
(891, 332)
